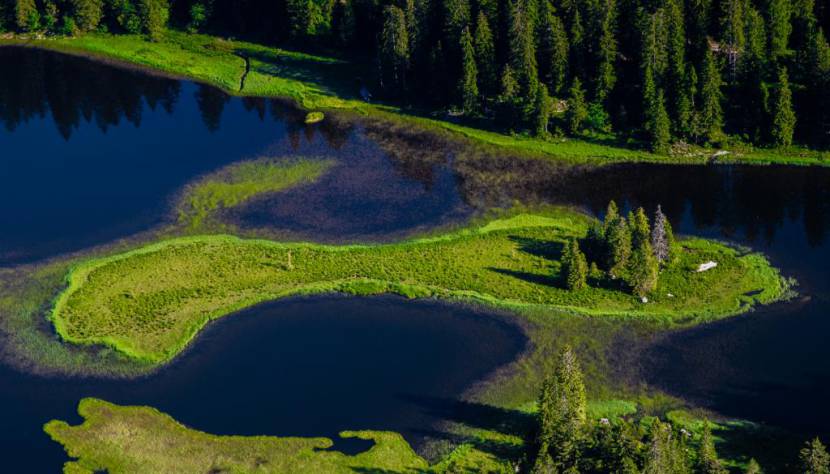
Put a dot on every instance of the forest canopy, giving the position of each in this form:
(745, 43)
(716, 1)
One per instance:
(656, 72)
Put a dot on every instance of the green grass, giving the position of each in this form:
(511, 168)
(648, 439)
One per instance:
(240, 182)
(320, 83)
(149, 303)
(141, 440)
(314, 117)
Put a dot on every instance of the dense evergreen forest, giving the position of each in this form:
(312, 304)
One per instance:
(658, 72)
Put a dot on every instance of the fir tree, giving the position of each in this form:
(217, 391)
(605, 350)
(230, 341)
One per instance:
(665, 452)
(643, 268)
(711, 114)
(50, 15)
(618, 239)
(732, 28)
(783, 122)
(606, 75)
(468, 86)
(508, 111)
(553, 49)
(542, 106)
(707, 456)
(814, 458)
(662, 238)
(485, 50)
(574, 267)
(658, 124)
(577, 109)
(26, 15)
(780, 27)
(562, 419)
(523, 50)
(394, 49)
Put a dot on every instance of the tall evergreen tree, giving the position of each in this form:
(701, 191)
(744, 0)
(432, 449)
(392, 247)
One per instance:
(606, 51)
(485, 50)
(642, 265)
(779, 16)
(658, 124)
(574, 269)
(732, 31)
(26, 15)
(707, 456)
(553, 49)
(562, 411)
(394, 50)
(523, 50)
(577, 110)
(662, 237)
(468, 85)
(752, 467)
(783, 122)
(665, 452)
(711, 113)
(814, 458)
(618, 239)
(542, 107)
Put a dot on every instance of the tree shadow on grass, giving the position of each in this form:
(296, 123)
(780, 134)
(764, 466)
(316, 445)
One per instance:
(535, 278)
(330, 76)
(478, 416)
(538, 247)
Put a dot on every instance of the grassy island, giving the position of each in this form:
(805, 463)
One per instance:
(318, 82)
(119, 439)
(149, 303)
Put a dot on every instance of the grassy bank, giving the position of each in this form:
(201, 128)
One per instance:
(149, 303)
(316, 82)
(240, 182)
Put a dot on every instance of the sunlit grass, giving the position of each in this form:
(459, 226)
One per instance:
(149, 303)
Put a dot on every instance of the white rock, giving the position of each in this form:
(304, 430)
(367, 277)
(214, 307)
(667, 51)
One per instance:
(706, 266)
(644, 299)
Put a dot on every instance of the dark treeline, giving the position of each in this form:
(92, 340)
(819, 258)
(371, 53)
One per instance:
(567, 441)
(656, 71)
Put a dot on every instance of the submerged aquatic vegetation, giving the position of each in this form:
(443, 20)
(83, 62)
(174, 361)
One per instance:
(240, 182)
(149, 303)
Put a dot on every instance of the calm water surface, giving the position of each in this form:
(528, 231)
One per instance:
(299, 367)
(98, 157)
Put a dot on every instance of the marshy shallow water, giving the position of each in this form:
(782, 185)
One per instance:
(99, 157)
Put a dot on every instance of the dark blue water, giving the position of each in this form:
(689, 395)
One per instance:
(90, 153)
(295, 368)
(99, 156)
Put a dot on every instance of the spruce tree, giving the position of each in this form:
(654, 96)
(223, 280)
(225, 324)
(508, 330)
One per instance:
(553, 48)
(485, 50)
(574, 267)
(542, 107)
(618, 239)
(612, 214)
(643, 268)
(566, 423)
(732, 31)
(780, 27)
(711, 113)
(658, 124)
(665, 452)
(523, 51)
(606, 51)
(577, 109)
(662, 238)
(814, 458)
(783, 122)
(87, 13)
(468, 85)
(707, 456)
(508, 102)
(26, 15)
(394, 49)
